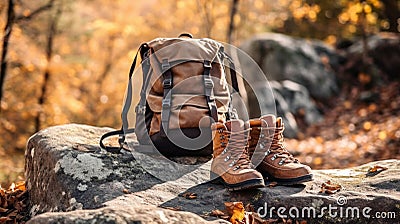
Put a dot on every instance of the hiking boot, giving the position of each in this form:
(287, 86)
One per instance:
(267, 151)
(231, 164)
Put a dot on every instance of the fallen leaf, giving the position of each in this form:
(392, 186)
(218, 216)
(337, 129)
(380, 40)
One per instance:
(126, 191)
(375, 170)
(189, 195)
(249, 208)
(273, 184)
(4, 219)
(217, 213)
(3, 210)
(330, 188)
(236, 211)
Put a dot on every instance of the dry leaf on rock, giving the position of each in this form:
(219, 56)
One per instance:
(272, 184)
(375, 170)
(189, 195)
(218, 213)
(330, 188)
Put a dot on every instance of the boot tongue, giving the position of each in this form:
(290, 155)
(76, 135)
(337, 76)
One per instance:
(235, 125)
(268, 120)
(279, 122)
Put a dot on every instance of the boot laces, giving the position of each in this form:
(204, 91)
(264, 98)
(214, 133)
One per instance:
(236, 150)
(277, 144)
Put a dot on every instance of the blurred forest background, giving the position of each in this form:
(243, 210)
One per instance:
(66, 61)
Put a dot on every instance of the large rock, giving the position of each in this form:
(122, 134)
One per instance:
(300, 71)
(70, 180)
(382, 61)
(308, 63)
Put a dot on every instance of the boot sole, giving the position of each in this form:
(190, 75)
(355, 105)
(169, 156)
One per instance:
(248, 184)
(291, 181)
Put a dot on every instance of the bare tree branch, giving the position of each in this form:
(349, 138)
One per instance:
(35, 12)
(6, 38)
(231, 27)
(47, 74)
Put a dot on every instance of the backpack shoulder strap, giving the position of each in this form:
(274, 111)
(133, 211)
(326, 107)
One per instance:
(124, 130)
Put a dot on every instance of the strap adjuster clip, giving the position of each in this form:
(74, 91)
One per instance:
(166, 103)
(165, 65)
(208, 83)
(167, 83)
(207, 64)
(140, 109)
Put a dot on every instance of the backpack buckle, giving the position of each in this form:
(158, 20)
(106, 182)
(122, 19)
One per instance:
(208, 83)
(140, 109)
(165, 65)
(166, 103)
(207, 64)
(167, 84)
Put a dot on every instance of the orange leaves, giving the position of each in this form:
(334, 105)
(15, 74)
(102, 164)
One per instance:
(235, 211)
(354, 132)
(13, 203)
(189, 195)
(375, 170)
(330, 188)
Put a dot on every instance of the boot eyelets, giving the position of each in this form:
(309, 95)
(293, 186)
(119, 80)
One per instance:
(273, 158)
(236, 168)
(227, 158)
(224, 151)
(232, 163)
(281, 162)
(267, 152)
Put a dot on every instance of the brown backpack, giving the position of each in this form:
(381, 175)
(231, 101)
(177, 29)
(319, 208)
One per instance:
(184, 90)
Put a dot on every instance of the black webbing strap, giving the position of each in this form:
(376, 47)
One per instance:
(121, 139)
(124, 115)
(232, 70)
(167, 97)
(141, 107)
(209, 90)
(232, 114)
(128, 100)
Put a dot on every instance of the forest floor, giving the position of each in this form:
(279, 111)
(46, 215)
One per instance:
(359, 127)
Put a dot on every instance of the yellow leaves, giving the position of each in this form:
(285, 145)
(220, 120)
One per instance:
(367, 125)
(235, 211)
(354, 12)
(302, 10)
(382, 135)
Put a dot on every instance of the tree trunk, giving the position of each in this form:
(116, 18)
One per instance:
(47, 73)
(6, 38)
(231, 27)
